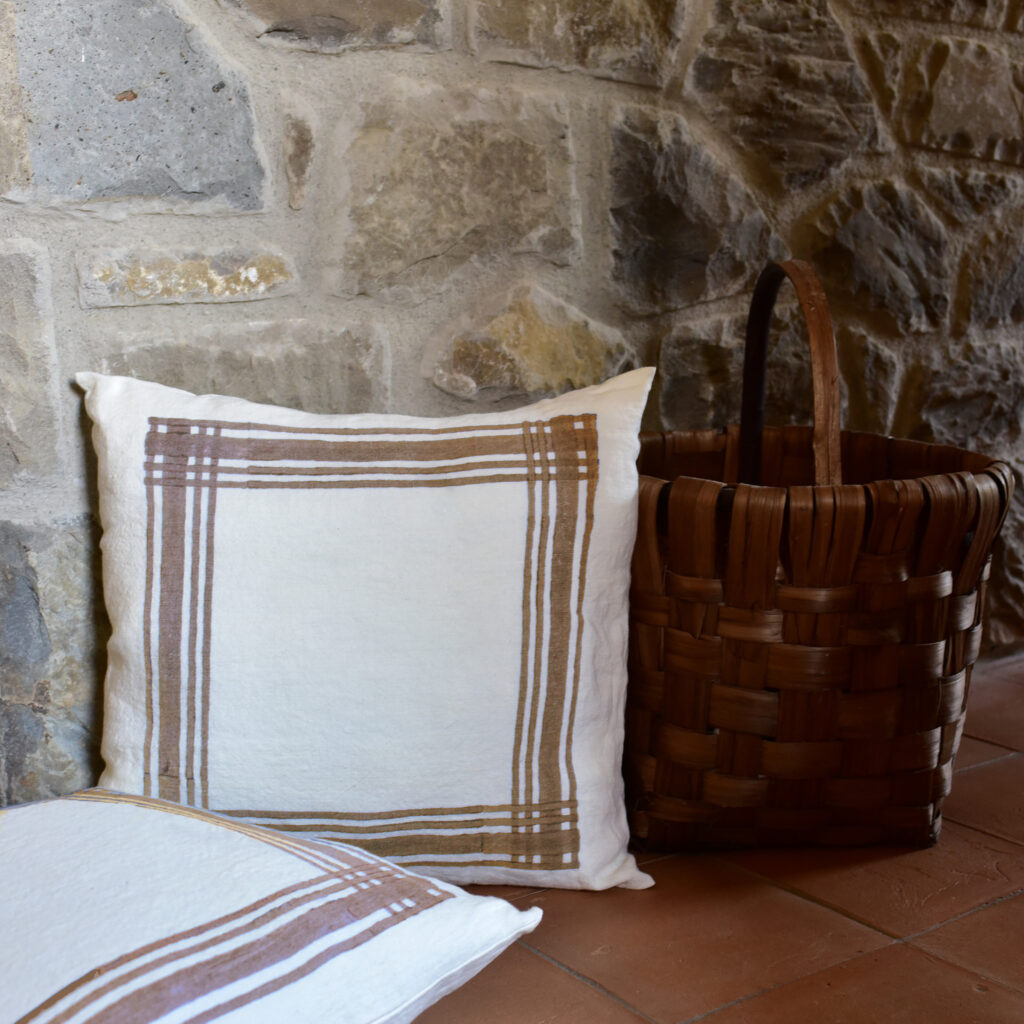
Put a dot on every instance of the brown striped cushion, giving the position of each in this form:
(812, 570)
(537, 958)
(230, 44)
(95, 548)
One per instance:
(404, 633)
(125, 910)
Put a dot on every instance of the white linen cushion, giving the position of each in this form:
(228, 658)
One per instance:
(125, 910)
(404, 633)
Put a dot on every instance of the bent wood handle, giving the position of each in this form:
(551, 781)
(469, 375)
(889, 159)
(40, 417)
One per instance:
(824, 371)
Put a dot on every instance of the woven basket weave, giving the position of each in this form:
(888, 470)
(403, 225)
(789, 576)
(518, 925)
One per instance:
(800, 654)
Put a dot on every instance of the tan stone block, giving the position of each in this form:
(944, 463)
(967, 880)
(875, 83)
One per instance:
(439, 178)
(15, 167)
(331, 25)
(298, 364)
(145, 277)
(298, 155)
(29, 425)
(628, 40)
(524, 342)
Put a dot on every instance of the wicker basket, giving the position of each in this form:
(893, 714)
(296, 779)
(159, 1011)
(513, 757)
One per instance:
(800, 655)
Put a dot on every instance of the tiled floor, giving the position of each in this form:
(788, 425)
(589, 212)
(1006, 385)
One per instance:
(801, 937)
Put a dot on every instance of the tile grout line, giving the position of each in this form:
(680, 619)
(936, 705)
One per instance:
(938, 959)
(782, 985)
(586, 981)
(967, 913)
(982, 831)
(808, 898)
(975, 828)
(1007, 752)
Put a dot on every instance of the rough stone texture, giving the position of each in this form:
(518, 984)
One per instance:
(627, 40)
(127, 100)
(873, 374)
(991, 14)
(967, 195)
(15, 169)
(52, 625)
(526, 343)
(684, 229)
(882, 251)
(778, 77)
(292, 363)
(140, 277)
(438, 178)
(333, 25)
(951, 95)
(298, 155)
(995, 280)
(701, 372)
(29, 424)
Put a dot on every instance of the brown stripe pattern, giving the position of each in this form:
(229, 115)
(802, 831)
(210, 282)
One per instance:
(206, 971)
(555, 460)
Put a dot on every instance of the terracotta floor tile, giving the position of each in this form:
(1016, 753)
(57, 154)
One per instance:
(523, 988)
(898, 985)
(973, 752)
(995, 707)
(898, 890)
(707, 933)
(989, 942)
(991, 798)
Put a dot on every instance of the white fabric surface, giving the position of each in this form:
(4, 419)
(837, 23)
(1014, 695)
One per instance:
(404, 633)
(125, 910)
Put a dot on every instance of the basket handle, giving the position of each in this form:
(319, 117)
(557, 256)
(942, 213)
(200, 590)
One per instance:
(824, 371)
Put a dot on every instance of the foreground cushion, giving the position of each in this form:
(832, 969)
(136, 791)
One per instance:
(124, 910)
(404, 633)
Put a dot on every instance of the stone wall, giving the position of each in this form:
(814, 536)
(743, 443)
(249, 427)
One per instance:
(434, 205)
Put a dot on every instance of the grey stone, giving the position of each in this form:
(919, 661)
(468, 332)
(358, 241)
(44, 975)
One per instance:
(24, 640)
(298, 154)
(995, 280)
(872, 372)
(967, 194)
(628, 40)
(54, 631)
(975, 397)
(144, 277)
(296, 364)
(701, 371)
(684, 230)
(882, 252)
(334, 25)
(778, 77)
(29, 426)
(440, 178)
(990, 14)
(952, 95)
(526, 342)
(43, 755)
(127, 100)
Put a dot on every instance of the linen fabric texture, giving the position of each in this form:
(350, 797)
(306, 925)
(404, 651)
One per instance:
(125, 910)
(403, 633)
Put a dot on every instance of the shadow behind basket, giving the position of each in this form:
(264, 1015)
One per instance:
(800, 655)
